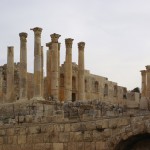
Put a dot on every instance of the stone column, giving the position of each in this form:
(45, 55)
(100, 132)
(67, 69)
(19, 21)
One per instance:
(49, 59)
(68, 70)
(37, 64)
(42, 73)
(1, 86)
(54, 67)
(143, 86)
(10, 75)
(81, 78)
(23, 66)
(148, 80)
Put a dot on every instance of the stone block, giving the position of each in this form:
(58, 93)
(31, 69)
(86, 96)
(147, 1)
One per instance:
(2, 132)
(67, 127)
(40, 146)
(90, 126)
(21, 119)
(75, 127)
(76, 136)
(10, 131)
(80, 145)
(28, 118)
(37, 138)
(22, 139)
(100, 145)
(34, 129)
(1, 140)
(87, 145)
(64, 137)
(58, 146)
(72, 146)
(105, 123)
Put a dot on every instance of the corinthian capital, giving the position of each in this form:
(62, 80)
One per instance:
(23, 36)
(68, 42)
(37, 31)
(81, 45)
(55, 37)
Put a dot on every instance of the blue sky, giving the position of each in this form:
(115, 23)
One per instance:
(116, 32)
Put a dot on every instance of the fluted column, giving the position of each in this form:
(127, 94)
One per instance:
(81, 78)
(1, 86)
(48, 66)
(148, 81)
(68, 70)
(143, 86)
(37, 64)
(54, 67)
(42, 73)
(23, 66)
(10, 75)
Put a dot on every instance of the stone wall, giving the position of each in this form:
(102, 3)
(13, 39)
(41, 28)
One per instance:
(49, 125)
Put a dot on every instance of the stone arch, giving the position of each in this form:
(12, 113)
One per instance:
(96, 86)
(129, 136)
(135, 142)
(105, 90)
(124, 93)
(115, 91)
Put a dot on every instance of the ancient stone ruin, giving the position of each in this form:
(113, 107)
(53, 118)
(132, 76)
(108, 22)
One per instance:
(69, 108)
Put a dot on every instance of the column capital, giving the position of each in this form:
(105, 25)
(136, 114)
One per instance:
(55, 37)
(81, 45)
(23, 36)
(37, 31)
(69, 42)
(147, 68)
(10, 50)
(143, 72)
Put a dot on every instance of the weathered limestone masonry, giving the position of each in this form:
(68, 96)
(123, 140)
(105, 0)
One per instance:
(91, 125)
(23, 66)
(10, 74)
(54, 67)
(37, 64)
(68, 70)
(81, 77)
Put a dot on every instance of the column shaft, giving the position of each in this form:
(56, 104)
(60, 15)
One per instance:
(81, 78)
(1, 87)
(54, 67)
(23, 66)
(49, 61)
(42, 72)
(68, 70)
(143, 86)
(148, 81)
(37, 64)
(10, 75)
